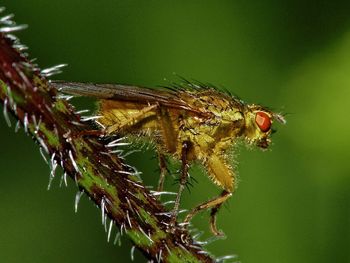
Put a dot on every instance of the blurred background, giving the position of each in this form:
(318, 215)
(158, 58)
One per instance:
(293, 201)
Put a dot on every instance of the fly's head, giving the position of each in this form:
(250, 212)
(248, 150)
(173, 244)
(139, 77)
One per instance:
(258, 125)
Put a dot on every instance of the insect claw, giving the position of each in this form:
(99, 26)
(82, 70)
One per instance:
(168, 202)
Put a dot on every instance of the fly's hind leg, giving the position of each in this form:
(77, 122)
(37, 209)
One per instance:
(163, 171)
(215, 204)
(221, 173)
(169, 143)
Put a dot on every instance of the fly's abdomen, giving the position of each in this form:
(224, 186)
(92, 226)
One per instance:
(121, 116)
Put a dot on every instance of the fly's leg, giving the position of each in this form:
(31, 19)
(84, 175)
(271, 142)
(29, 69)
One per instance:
(169, 139)
(163, 171)
(212, 220)
(183, 180)
(132, 120)
(221, 173)
(215, 204)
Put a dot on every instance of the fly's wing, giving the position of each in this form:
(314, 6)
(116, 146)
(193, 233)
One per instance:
(124, 93)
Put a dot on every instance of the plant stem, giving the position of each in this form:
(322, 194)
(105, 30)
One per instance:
(105, 178)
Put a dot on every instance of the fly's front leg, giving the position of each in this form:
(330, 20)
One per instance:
(215, 204)
(213, 214)
(183, 181)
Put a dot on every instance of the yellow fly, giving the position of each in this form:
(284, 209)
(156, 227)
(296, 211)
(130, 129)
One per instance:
(191, 123)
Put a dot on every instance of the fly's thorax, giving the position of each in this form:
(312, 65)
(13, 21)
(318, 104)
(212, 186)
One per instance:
(258, 123)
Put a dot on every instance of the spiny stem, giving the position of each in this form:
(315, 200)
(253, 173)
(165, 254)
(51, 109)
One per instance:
(105, 178)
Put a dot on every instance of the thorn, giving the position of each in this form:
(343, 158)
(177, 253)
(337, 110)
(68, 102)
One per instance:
(6, 116)
(18, 125)
(105, 224)
(25, 122)
(53, 70)
(132, 253)
(180, 245)
(211, 240)
(117, 151)
(53, 165)
(103, 210)
(129, 204)
(37, 127)
(43, 146)
(64, 179)
(202, 252)
(128, 217)
(167, 214)
(50, 182)
(122, 226)
(159, 256)
(184, 224)
(143, 232)
(89, 118)
(167, 248)
(73, 161)
(130, 152)
(78, 195)
(156, 193)
(109, 230)
(7, 19)
(81, 111)
(196, 247)
(34, 120)
(10, 29)
(110, 145)
(125, 172)
(182, 211)
(105, 165)
(134, 183)
(222, 259)
(168, 203)
(199, 234)
(20, 47)
(76, 123)
(117, 239)
(64, 97)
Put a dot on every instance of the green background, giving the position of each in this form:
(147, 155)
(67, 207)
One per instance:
(293, 202)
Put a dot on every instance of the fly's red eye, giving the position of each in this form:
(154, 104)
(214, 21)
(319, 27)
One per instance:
(263, 121)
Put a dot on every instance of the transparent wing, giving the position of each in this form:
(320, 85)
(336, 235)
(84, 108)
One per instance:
(167, 98)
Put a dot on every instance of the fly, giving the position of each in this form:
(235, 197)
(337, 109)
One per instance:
(191, 123)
